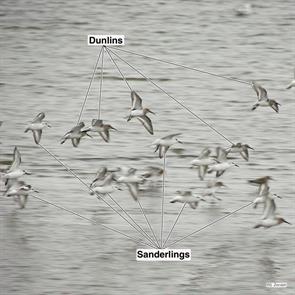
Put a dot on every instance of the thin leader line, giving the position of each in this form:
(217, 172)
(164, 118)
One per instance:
(92, 221)
(101, 80)
(114, 62)
(211, 223)
(142, 232)
(124, 78)
(177, 101)
(150, 226)
(88, 89)
(174, 224)
(163, 198)
(184, 66)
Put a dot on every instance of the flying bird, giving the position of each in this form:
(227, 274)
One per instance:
(263, 99)
(37, 126)
(163, 144)
(102, 129)
(75, 134)
(137, 111)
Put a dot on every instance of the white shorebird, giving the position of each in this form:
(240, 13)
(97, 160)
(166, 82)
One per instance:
(75, 134)
(105, 187)
(292, 84)
(187, 197)
(213, 186)
(222, 163)
(262, 182)
(203, 162)
(137, 111)
(164, 143)
(20, 191)
(263, 99)
(242, 149)
(36, 126)
(100, 176)
(270, 217)
(102, 129)
(15, 171)
(244, 10)
(132, 182)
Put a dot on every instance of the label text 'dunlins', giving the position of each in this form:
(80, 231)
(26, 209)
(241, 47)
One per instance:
(99, 40)
(163, 254)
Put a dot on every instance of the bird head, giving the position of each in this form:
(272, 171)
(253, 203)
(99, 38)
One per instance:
(281, 220)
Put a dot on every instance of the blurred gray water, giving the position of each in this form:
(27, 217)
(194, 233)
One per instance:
(46, 66)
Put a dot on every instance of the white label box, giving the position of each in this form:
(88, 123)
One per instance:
(154, 255)
(106, 40)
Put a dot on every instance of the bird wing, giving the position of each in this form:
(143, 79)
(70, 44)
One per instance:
(39, 118)
(244, 153)
(96, 122)
(269, 208)
(105, 135)
(205, 153)
(133, 189)
(37, 135)
(136, 101)
(147, 123)
(16, 160)
(221, 154)
(260, 91)
(77, 128)
(75, 142)
(171, 136)
(202, 171)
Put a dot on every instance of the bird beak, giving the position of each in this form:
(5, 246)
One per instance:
(113, 128)
(249, 147)
(149, 111)
(89, 135)
(277, 196)
(35, 191)
(236, 165)
(178, 141)
(286, 221)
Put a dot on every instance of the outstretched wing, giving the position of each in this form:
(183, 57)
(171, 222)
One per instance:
(16, 160)
(260, 91)
(39, 118)
(221, 154)
(147, 123)
(205, 153)
(133, 189)
(98, 123)
(269, 209)
(171, 136)
(37, 135)
(136, 101)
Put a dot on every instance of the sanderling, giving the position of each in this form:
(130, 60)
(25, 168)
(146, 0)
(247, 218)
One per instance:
(187, 197)
(263, 99)
(132, 182)
(20, 191)
(292, 84)
(270, 217)
(137, 111)
(202, 162)
(75, 134)
(222, 163)
(105, 187)
(242, 149)
(36, 126)
(164, 143)
(102, 129)
(15, 171)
